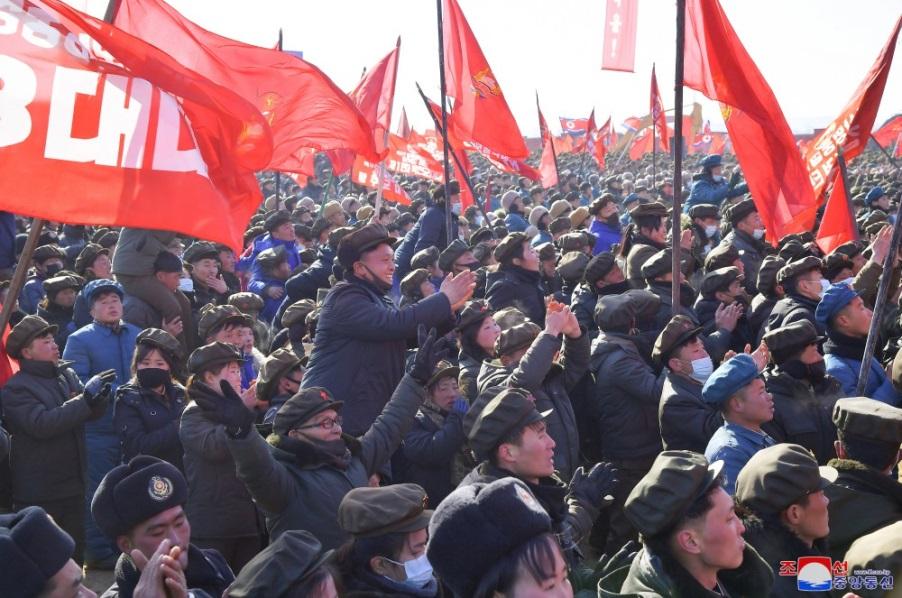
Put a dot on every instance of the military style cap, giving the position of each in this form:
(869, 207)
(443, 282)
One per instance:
(835, 298)
(560, 207)
(599, 267)
(721, 256)
(368, 512)
(28, 329)
(719, 280)
(836, 263)
(850, 248)
(872, 218)
(509, 245)
(599, 203)
(675, 481)
(704, 210)
(480, 235)
(615, 313)
(32, 549)
(200, 250)
(679, 331)
(306, 403)
(559, 225)
(451, 254)
(320, 225)
(658, 264)
(630, 199)
(135, 492)
(879, 550)
(473, 312)
(166, 261)
(272, 257)
(425, 258)
(767, 273)
(572, 266)
(791, 339)
(58, 283)
(780, 475)
(443, 369)
(410, 286)
(297, 312)
(281, 567)
(579, 216)
(649, 209)
(364, 213)
(248, 303)
(733, 375)
(276, 365)
(331, 208)
(214, 317)
(275, 220)
(875, 228)
(868, 418)
(87, 256)
(161, 340)
(516, 337)
(712, 160)
(509, 411)
(46, 252)
(217, 353)
(508, 317)
(793, 269)
(740, 210)
(574, 241)
(364, 239)
(98, 286)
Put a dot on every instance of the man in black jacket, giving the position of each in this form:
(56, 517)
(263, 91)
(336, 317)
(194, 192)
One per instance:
(602, 277)
(45, 409)
(804, 285)
(517, 283)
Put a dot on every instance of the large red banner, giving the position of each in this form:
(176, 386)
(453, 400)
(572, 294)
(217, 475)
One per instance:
(620, 35)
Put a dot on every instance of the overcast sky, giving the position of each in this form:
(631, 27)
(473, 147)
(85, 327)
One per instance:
(813, 53)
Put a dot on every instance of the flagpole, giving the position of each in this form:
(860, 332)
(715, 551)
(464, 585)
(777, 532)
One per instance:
(445, 145)
(678, 156)
(378, 206)
(891, 160)
(278, 174)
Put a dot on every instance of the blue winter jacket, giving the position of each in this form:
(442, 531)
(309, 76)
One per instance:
(543, 237)
(266, 242)
(32, 294)
(305, 284)
(7, 240)
(605, 235)
(429, 231)
(846, 370)
(515, 223)
(258, 284)
(707, 190)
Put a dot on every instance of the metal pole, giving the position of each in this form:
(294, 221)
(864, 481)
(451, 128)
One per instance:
(678, 153)
(445, 162)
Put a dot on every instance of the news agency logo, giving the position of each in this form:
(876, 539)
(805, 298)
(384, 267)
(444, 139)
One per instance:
(821, 574)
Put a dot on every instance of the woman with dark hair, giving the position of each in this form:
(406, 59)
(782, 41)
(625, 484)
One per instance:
(645, 236)
(477, 333)
(147, 409)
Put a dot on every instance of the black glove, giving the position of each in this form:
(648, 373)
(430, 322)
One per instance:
(432, 350)
(97, 389)
(228, 409)
(623, 557)
(595, 487)
(735, 178)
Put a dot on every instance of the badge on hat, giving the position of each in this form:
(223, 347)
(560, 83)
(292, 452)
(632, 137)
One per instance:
(159, 488)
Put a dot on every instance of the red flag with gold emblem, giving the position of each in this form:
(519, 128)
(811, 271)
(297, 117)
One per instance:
(547, 164)
(657, 112)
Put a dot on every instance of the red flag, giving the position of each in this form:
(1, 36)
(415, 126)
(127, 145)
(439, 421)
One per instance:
(403, 125)
(852, 127)
(413, 158)
(620, 35)
(641, 145)
(375, 93)
(303, 106)
(366, 174)
(480, 113)
(548, 164)
(563, 144)
(657, 112)
(886, 135)
(603, 140)
(717, 65)
(574, 126)
(586, 143)
(97, 130)
(837, 225)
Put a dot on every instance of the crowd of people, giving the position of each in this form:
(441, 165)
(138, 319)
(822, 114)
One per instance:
(365, 403)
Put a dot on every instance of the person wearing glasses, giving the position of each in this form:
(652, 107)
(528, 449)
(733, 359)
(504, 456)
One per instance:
(301, 472)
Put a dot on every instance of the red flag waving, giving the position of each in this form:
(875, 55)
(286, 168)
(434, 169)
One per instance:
(375, 93)
(303, 106)
(603, 140)
(887, 134)
(585, 143)
(852, 127)
(620, 35)
(120, 134)
(657, 112)
(365, 173)
(548, 163)
(403, 125)
(574, 126)
(837, 225)
(481, 113)
(717, 64)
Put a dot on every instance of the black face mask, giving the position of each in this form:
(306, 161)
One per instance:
(473, 266)
(52, 269)
(687, 295)
(813, 372)
(614, 221)
(614, 288)
(153, 377)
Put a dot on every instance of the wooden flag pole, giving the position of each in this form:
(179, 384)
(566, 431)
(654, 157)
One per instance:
(678, 156)
(442, 85)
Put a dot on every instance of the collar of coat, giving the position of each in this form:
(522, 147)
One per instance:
(306, 454)
(774, 541)
(861, 478)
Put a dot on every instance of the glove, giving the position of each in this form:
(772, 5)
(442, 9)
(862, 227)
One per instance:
(98, 388)
(432, 350)
(460, 406)
(735, 178)
(623, 557)
(228, 410)
(595, 487)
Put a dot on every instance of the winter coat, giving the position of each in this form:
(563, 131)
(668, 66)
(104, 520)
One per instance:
(148, 423)
(469, 372)
(706, 190)
(361, 338)
(751, 253)
(61, 317)
(140, 313)
(32, 294)
(641, 249)
(706, 310)
(219, 504)
(298, 489)
(761, 309)
(260, 283)
(207, 576)
(512, 286)
(515, 222)
(606, 236)
(305, 284)
(249, 261)
(429, 231)
(862, 500)
(137, 250)
(366, 584)
(734, 445)
(582, 304)
(843, 358)
(803, 414)
(7, 240)
(549, 383)
(652, 576)
(96, 348)
(45, 413)
(793, 308)
(627, 393)
(687, 422)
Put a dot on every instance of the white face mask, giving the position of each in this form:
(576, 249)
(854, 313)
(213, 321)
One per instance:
(825, 284)
(479, 220)
(758, 233)
(702, 368)
(711, 230)
(718, 178)
(455, 209)
(418, 571)
(186, 285)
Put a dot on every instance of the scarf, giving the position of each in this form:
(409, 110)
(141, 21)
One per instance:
(847, 347)
(114, 326)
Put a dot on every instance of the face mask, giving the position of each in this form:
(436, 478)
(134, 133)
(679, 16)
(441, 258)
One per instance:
(455, 209)
(186, 285)
(418, 571)
(479, 220)
(848, 281)
(813, 372)
(702, 368)
(152, 377)
(758, 233)
(825, 284)
(710, 230)
(614, 288)
(52, 269)
(473, 266)
(614, 221)
(718, 178)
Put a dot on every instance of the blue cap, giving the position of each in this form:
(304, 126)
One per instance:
(712, 160)
(102, 285)
(631, 198)
(732, 375)
(836, 297)
(874, 194)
